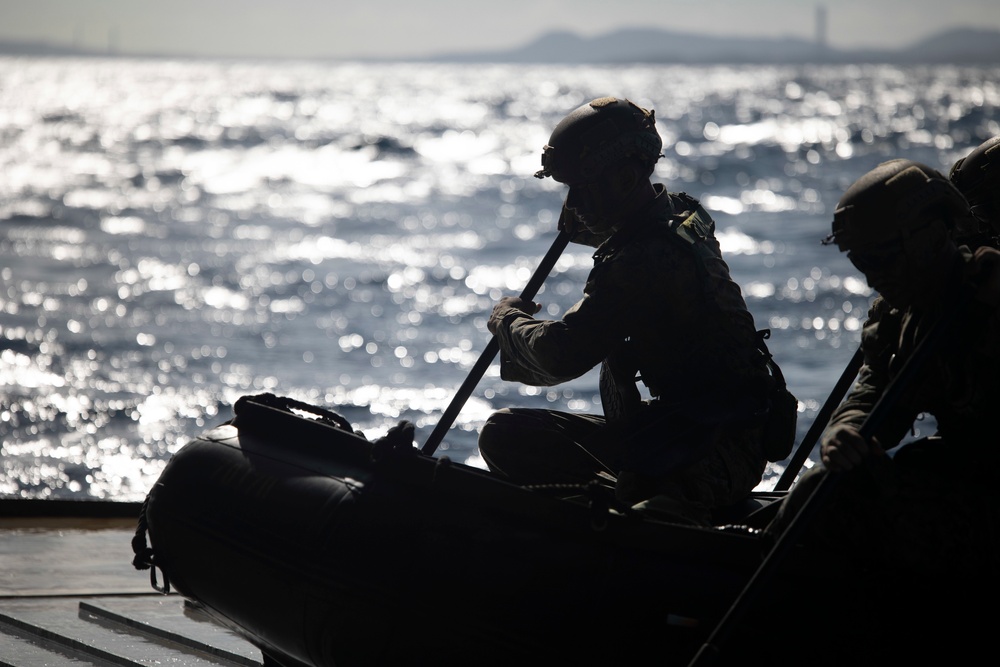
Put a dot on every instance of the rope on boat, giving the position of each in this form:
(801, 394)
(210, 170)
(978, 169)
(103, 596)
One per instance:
(144, 557)
(397, 442)
(143, 553)
(598, 496)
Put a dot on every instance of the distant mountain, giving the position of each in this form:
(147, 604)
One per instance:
(959, 45)
(642, 45)
(645, 45)
(21, 48)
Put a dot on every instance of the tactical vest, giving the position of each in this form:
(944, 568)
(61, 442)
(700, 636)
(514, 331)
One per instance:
(692, 229)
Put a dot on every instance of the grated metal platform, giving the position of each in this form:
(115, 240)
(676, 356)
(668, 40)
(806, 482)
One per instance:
(70, 596)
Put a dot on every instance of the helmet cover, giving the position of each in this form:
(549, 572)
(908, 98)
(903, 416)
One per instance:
(596, 136)
(893, 200)
(977, 176)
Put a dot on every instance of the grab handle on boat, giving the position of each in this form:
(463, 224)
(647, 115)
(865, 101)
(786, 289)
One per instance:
(165, 588)
(493, 348)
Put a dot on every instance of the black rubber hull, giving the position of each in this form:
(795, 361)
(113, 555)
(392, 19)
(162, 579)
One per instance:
(323, 549)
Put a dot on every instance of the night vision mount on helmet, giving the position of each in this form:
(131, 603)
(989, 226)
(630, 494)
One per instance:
(893, 200)
(596, 136)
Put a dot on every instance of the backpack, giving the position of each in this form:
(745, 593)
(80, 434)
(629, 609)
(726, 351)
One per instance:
(780, 424)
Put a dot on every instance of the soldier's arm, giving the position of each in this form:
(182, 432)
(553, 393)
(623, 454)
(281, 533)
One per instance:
(548, 352)
(878, 341)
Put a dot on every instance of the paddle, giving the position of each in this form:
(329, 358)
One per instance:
(709, 651)
(490, 353)
(819, 424)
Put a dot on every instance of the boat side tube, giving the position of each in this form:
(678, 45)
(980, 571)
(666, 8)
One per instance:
(326, 548)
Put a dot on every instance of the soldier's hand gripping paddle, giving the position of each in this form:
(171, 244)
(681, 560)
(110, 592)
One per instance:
(490, 353)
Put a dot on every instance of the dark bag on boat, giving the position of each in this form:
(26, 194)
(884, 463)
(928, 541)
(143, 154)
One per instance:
(783, 410)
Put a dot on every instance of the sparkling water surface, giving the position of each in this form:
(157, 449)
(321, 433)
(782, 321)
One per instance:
(177, 234)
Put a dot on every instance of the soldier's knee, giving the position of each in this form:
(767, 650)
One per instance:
(491, 436)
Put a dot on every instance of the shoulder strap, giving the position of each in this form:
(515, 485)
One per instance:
(690, 225)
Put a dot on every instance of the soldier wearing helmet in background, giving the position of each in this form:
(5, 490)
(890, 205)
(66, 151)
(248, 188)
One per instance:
(659, 306)
(977, 176)
(928, 516)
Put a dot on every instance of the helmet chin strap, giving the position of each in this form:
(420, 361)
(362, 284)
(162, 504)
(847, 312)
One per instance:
(921, 255)
(594, 222)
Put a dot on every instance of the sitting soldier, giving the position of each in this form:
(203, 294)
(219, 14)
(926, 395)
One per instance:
(910, 530)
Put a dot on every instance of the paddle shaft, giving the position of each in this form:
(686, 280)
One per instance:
(490, 353)
(710, 649)
(819, 424)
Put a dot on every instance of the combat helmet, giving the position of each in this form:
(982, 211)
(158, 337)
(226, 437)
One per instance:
(597, 135)
(977, 176)
(892, 201)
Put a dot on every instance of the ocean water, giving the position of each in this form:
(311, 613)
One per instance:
(177, 234)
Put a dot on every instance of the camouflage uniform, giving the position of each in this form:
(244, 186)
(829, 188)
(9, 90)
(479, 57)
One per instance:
(661, 304)
(934, 507)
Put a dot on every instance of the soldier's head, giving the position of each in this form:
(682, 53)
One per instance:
(603, 151)
(977, 176)
(895, 224)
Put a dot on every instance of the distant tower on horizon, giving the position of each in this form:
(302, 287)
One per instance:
(821, 26)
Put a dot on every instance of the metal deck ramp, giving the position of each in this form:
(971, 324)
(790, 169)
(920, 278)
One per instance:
(122, 631)
(69, 596)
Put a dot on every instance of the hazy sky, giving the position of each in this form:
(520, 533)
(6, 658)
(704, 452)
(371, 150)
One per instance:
(400, 28)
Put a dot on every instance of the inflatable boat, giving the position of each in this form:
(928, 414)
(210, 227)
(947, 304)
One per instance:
(324, 548)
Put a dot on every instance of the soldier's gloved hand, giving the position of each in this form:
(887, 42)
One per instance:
(844, 449)
(504, 307)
